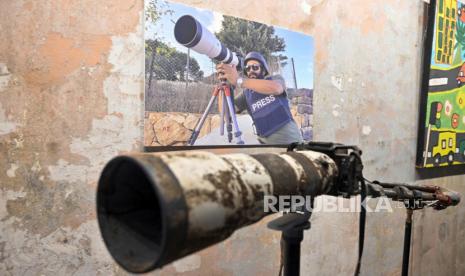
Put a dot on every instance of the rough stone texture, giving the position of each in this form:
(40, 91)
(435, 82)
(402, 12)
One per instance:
(191, 121)
(73, 98)
(169, 131)
(305, 100)
(304, 109)
(175, 128)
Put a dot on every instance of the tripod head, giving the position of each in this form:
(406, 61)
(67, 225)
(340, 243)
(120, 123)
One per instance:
(238, 68)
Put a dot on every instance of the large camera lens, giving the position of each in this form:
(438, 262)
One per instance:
(190, 33)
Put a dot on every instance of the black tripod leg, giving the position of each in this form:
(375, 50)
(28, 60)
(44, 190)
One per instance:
(292, 226)
(228, 124)
(233, 118)
(199, 125)
(225, 117)
(407, 241)
(290, 251)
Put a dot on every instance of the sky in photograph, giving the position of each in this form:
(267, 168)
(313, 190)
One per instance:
(298, 46)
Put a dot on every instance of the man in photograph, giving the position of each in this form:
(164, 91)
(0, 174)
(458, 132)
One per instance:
(265, 99)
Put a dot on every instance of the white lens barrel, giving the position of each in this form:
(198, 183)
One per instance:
(190, 33)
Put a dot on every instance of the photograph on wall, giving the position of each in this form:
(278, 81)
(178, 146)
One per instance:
(213, 79)
(442, 133)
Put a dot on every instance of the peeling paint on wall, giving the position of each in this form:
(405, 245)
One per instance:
(115, 132)
(12, 170)
(337, 81)
(77, 111)
(64, 171)
(5, 125)
(336, 110)
(65, 56)
(4, 76)
(57, 100)
(306, 8)
(366, 130)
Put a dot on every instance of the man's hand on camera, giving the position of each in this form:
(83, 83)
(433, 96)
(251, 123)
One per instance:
(228, 72)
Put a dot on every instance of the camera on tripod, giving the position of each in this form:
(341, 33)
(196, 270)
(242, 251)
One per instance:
(190, 33)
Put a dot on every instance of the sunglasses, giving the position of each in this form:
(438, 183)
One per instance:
(254, 67)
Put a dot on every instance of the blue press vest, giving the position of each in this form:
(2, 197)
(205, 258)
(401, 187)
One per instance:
(269, 112)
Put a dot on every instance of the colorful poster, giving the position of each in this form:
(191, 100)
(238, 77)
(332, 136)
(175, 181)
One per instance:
(266, 93)
(442, 133)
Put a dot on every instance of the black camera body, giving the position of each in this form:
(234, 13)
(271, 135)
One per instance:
(349, 163)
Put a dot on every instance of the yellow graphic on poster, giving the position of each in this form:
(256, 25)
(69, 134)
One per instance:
(446, 22)
(444, 123)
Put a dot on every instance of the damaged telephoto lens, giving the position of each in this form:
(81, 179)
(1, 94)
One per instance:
(153, 209)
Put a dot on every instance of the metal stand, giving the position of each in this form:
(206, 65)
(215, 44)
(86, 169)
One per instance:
(414, 198)
(228, 115)
(292, 226)
(407, 241)
(410, 205)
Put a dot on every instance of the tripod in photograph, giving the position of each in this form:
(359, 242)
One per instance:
(224, 92)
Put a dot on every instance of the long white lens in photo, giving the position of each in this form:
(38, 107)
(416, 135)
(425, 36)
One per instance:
(190, 33)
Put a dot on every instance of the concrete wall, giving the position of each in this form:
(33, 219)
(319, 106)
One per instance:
(71, 97)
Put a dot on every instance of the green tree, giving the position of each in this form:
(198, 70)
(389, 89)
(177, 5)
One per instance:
(243, 36)
(154, 10)
(168, 63)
